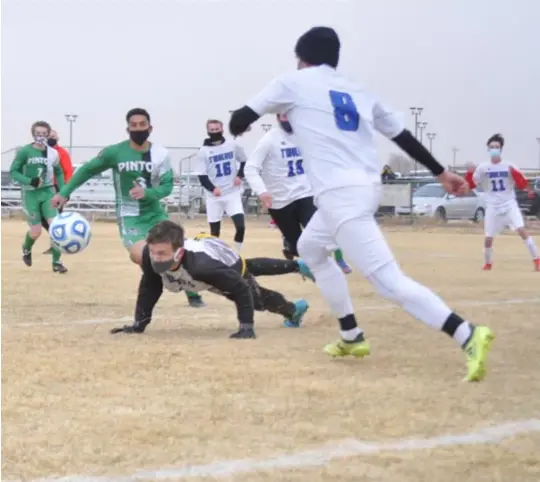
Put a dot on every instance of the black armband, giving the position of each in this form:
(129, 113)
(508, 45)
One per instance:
(206, 183)
(410, 145)
(241, 119)
(240, 172)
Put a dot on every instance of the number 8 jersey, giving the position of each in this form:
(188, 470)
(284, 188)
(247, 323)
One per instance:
(220, 164)
(498, 180)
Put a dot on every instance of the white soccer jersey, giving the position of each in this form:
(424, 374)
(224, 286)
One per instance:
(498, 182)
(220, 164)
(334, 121)
(276, 167)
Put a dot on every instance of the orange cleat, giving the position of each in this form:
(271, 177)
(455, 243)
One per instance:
(487, 267)
(536, 264)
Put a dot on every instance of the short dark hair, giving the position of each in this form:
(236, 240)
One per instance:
(40, 124)
(138, 111)
(214, 121)
(496, 138)
(166, 232)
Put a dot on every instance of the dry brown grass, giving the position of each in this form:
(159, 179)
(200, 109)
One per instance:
(77, 400)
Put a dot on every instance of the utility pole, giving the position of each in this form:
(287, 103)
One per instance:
(71, 118)
(266, 127)
(455, 150)
(421, 127)
(416, 113)
(431, 136)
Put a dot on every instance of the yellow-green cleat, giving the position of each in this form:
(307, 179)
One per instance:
(358, 348)
(477, 349)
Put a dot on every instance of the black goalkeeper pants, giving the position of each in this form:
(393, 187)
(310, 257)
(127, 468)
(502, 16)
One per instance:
(291, 220)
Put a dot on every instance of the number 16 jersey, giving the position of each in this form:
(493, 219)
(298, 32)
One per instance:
(220, 163)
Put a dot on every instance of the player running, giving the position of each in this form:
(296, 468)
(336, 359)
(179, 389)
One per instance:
(33, 168)
(67, 170)
(276, 174)
(220, 167)
(207, 263)
(142, 176)
(334, 121)
(499, 179)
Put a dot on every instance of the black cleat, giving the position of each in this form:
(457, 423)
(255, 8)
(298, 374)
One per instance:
(27, 257)
(59, 268)
(48, 251)
(244, 333)
(135, 328)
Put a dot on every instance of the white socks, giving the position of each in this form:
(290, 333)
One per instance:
(529, 242)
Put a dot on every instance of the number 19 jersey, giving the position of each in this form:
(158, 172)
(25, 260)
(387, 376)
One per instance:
(220, 164)
(334, 121)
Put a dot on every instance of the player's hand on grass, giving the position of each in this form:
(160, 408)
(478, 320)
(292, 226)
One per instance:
(453, 183)
(137, 191)
(237, 181)
(216, 191)
(266, 200)
(58, 201)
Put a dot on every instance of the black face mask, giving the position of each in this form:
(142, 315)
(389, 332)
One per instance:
(139, 137)
(52, 142)
(286, 126)
(161, 266)
(215, 136)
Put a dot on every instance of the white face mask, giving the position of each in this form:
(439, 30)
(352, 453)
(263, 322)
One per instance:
(40, 140)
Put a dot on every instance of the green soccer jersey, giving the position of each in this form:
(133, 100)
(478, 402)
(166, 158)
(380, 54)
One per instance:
(151, 170)
(31, 163)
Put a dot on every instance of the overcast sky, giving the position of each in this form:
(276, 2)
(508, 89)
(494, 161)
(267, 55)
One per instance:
(474, 65)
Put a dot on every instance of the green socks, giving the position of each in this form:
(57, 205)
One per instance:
(338, 255)
(55, 255)
(28, 242)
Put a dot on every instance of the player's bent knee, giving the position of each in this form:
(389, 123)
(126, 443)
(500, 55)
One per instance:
(35, 231)
(136, 251)
(311, 251)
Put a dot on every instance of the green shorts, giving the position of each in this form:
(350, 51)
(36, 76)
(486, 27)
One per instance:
(134, 229)
(37, 205)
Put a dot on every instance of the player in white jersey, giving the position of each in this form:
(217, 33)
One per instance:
(499, 178)
(220, 166)
(275, 173)
(334, 121)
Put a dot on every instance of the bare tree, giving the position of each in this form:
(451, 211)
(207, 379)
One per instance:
(400, 163)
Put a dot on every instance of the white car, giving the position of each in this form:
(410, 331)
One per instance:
(431, 200)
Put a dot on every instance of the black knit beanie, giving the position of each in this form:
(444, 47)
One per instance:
(318, 46)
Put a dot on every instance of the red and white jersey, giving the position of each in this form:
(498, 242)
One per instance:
(498, 180)
(334, 121)
(220, 164)
(276, 166)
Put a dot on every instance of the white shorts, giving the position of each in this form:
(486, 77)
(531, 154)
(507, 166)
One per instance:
(498, 218)
(346, 217)
(229, 204)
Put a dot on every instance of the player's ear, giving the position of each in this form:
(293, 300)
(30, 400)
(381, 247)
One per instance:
(150, 129)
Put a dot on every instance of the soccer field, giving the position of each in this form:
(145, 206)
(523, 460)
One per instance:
(184, 402)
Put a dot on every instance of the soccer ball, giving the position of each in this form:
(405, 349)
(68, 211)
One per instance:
(70, 232)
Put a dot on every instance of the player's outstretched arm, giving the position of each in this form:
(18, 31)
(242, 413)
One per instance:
(101, 163)
(16, 169)
(150, 291)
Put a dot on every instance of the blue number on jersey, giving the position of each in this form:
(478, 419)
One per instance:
(345, 111)
(497, 186)
(223, 169)
(295, 168)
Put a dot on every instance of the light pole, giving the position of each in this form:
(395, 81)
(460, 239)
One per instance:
(455, 150)
(416, 113)
(421, 127)
(431, 136)
(266, 127)
(71, 118)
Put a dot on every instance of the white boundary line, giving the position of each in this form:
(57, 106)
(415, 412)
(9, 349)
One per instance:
(381, 307)
(316, 457)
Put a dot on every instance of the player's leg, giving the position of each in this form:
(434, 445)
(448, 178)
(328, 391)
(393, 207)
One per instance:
(364, 244)
(274, 302)
(48, 212)
(492, 226)
(275, 267)
(32, 212)
(45, 223)
(214, 214)
(305, 209)
(289, 225)
(235, 210)
(517, 223)
(332, 283)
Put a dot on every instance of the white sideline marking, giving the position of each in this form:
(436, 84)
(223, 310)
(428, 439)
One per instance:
(316, 457)
(388, 307)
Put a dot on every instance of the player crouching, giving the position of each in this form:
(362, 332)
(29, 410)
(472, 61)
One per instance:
(207, 263)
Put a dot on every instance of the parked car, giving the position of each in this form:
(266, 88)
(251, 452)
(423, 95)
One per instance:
(432, 200)
(530, 205)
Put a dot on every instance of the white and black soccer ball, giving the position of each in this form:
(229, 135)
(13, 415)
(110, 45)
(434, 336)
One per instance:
(70, 232)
